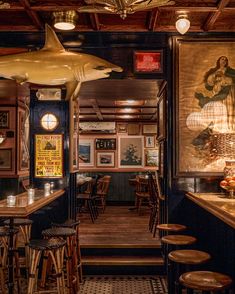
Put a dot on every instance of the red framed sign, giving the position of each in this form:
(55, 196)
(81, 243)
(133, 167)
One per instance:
(148, 61)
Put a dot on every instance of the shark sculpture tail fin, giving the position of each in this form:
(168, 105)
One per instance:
(52, 42)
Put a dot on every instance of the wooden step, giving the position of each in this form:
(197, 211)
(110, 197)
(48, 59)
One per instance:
(123, 260)
(157, 245)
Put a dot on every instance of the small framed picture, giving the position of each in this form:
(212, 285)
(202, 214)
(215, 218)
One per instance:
(105, 144)
(133, 129)
(122, 128)
(4, 119)
(86, 152)
(152, 157)
(150, 129)
(149, 141)
(148, 61)
(5, 159)
(105, 159)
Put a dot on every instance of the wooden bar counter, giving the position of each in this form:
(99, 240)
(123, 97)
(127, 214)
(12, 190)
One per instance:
(210, 217)
(216, 204)
(24, 207)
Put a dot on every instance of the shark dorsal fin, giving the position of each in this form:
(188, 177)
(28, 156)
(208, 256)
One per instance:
(52, 42)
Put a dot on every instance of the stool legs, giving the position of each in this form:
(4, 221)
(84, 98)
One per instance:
(33, 271)
(57, 257)
(26, 232)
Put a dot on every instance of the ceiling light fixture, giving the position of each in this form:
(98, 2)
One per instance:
(65, 20)
(182, 24)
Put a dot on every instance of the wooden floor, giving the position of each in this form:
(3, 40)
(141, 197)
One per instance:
(117, 227)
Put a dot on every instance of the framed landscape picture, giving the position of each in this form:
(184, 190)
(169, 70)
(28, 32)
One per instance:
(152, 157)
(105, 159)
(86, 152)
(130, 151)
(148, 61)
(205, 111)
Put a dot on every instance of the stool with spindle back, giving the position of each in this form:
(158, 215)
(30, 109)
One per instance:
(69, 235)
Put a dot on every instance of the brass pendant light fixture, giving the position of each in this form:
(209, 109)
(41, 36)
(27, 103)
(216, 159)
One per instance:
(65, 20)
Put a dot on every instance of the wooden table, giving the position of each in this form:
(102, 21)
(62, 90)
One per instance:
(23, 208)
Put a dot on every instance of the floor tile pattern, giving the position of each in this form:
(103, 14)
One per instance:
(123, 285)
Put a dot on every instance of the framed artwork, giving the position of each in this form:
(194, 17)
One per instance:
(148, 61)
(5, 159)
(150, 129)
(24, 155)
(4, 119)
(49, 156)
(130, 151)
(86, 152)
(152, 157)
(75, 151)
(161, 118)
(149, 141)
(105, 144)
(105, 159)
(133, 129)
(122, 128)
(204, 110)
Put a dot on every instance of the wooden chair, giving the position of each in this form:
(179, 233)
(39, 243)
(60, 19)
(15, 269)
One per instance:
(89, 200)
(142, 192)
(102, 190)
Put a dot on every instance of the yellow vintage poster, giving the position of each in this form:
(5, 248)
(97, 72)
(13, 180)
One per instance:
(49, 155)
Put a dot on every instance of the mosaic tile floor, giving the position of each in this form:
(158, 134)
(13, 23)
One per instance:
(124, 285)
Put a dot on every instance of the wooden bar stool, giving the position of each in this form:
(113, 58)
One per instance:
(53, 248)
(4, 251)
(69, 235)
(74, 225)
(180, 260)
(206, 282)
(24, 225)
(170, 242)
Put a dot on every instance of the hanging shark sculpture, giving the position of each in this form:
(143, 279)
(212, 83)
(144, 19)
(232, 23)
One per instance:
(53, 65)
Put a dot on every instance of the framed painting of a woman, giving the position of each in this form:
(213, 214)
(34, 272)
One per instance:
(205, 106)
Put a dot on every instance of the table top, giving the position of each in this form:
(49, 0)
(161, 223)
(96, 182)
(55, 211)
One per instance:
(24, 206)
(216, 204)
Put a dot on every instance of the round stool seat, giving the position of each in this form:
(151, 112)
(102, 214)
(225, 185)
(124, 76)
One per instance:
(189, 256)
(67, 224)
(19, 221)
(171, 227)
(46, 244)
(5, 231)
(205, 280)
(178, 239)
(58, 232)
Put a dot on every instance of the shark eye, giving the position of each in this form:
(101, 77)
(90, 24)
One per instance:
(100, 67)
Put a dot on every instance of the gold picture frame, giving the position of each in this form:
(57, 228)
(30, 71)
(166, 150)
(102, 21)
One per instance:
(48, 146)
(204, 116)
